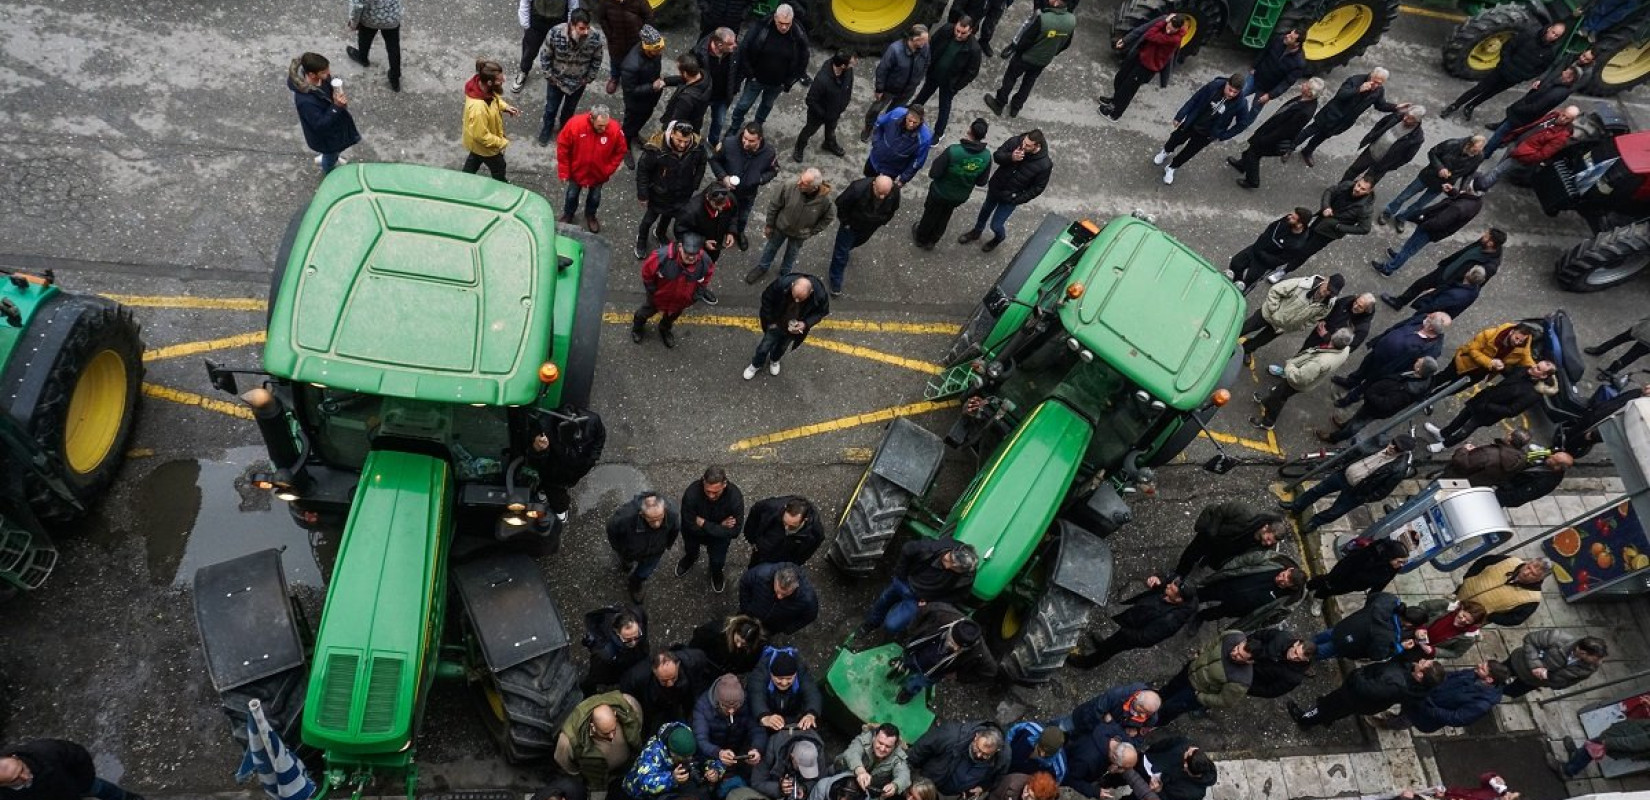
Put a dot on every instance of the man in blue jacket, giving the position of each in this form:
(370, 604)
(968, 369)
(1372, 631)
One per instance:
(899, 144)
(1213, 112)
(323, 110)
(1276, 69)
(1465, 696)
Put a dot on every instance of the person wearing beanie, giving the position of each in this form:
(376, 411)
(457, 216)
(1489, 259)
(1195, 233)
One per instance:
(625, 23)
(726, 730)
(1290, 306)
(782, 693)
(1036, 747)
(640, 82)
(941, 641)
(669, 766)
(954, 175)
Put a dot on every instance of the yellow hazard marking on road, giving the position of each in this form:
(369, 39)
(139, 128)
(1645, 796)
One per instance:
(857, 455)
(842, 423)
(210, 345)
(192, 399)
(1269, 447)
(185, 301)
(857, 325)
(1433, 13)
(140, 452)
(925, 367)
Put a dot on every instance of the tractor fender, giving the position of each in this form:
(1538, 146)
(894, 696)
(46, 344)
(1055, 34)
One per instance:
(244, 615)
(510, 608)
(1083, 565)
(909, 456)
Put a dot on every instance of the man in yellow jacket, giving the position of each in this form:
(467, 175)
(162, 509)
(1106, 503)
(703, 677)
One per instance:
(484, 110)
(1490, 352)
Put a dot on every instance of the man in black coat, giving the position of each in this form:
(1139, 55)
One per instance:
(640, 532)
(692, 96)
(1023, 170)
(1517, 392)
(1224, 531)
(1486, 253)
(779, 596)
(638, 73)
(828, 98)
(712, 214)
(1276, 136)
(1391, 144)
(53, 769)
(1448, 162)
(1544, 96)
(713, 514)
(1529, 54)
(782, 693)
(1358, 93)
(1274, 249)
(1152, 616)
(928, 570)
(667, 685)
(1212, 112)
(791, 306)
(747, 156)
(1371, 689)
(783, 528)
(1435, 223)
(963, 759)
(1393, 352)
(1353, 312)
(1274, 71)
(1364, 570)
(953, 64)
(1282, 662)
(1534, 482)
(941, 641)
(1368, 480)
(717, 52)
(617, 639)
(669, 173)
(1455, 299)
(772, 58)
(1347, 209)
(1383, 397)
(861, 210)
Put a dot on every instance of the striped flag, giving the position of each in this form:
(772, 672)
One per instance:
(281, 773)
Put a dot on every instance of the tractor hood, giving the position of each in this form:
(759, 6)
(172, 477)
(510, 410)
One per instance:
(1156, 310)
(420, 283)
(1018, 493)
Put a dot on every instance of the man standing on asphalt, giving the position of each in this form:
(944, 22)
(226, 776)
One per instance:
(791, 306)
(745, 163)
(898, 75)
(323, 110)
(828, 98)
(1217, 677)
(1152, 617)
(1389, 145)
(713, 514)
(1224, 531)
(484, 110)
(622, 23)
(1543, 96)
(710, 214)
(779, 596)
(692, 96)
(783, 528)
(671, 169)
(1484, 252)
(1358, 93)
(1448, 162)
(537, 18)
(1348, 209)
(1150, 54)
(1393, 352)
(1371, 689)
(571, 59)
(1526, 57)
(640, 532)
(717, 54)
(1212, 113)
(1276, 136)
(953, 64)
(1516, 393)
(1045, 36)
(1274, 249)
(1023, 170)
(1290, 306)
(862, 209)
(1275, 70)
(1490, 464)
(772, 59)
(899, 145)
(1534, 143)
(1367, 480)
(1384, 396)
(1303, 372)
(54, 769)
(639, 73)
(797, 213)
(954, 174)
(671, 277)
(368, 18)
(589, 149)
(928, 570)
(1435, 223)
(1353, 311)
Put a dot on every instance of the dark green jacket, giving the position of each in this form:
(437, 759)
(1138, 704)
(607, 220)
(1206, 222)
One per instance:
(959, 169)
(1048, 37)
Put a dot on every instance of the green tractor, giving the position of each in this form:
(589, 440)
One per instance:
(71, 367)
(1617, 31)
(1097, 355)
(1337, 31)
(427, 325)
(862, 26)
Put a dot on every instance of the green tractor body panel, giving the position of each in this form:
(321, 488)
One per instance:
(1015, 497)
(376, 645)
(386, 293)
(867, 694)
(27, 299)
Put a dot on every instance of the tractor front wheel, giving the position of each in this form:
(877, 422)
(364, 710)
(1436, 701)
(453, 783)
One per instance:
(1608, 259)
(1474, 47)
(1341, 32)
(867, 27)
(523, 706)
(868, 525)
(1204, 20)
(1623, 63)
(1033, 643)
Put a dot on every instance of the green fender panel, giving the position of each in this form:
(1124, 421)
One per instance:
(858, 691)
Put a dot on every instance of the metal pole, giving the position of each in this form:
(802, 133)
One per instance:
(1357, 447)
(1566, 695)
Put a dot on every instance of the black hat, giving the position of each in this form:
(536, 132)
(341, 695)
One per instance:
(1404, 443)
(783, 665)
(690, 242)
(965, 633)
(1336, 283)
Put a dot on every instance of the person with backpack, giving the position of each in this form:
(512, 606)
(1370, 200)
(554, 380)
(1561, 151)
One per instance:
(672, 276)
(954, 175)
(1368, 480)
(941, 641)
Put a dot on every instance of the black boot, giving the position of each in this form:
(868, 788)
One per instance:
(636, 590)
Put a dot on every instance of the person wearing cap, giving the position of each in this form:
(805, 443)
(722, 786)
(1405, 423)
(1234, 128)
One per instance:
(1303, 372)
(1218, 676)
(789, 770)
(1518, 391)
(1368, 480)
(1435, 223)
(782, 694)
(571, 59)
(791, 306)
(669, 767)
(955, 173)
(1491, 351)
(726, 730)
(963, 759)
(589, 149)
(1290, 306)
(744, 163)
(672, 275)
(671, 169)
(779, 596)
(928, 570)
(861, 210)
(484, 110)
(624, 23)
(1036, 747)
(941, 641)
(1391, 144)
(1151, 617)
(954, 65)
(639, 71)
(1212, 112)
(598, 739)
(875, 761)
(1022, 785)
(1273, 250)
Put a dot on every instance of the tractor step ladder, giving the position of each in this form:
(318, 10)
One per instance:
(1262, 21)
(25, 560)
(954, 381)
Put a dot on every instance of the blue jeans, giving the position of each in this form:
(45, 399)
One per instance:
(772, 347)
(792, 246)
(570, 201)
(329, 162)
(1343, 505)
(1415, 187)
(996, 211)
(894, 608)
(939, 119)
(747, 98)
(1496, 139)
(1252, 110)
(556, 100)
(1497, 172)
(644, 568)
(846, 240)
(742, 209)
(1417, 240)
(1325, 641)
(1578, 761)
(718, 118)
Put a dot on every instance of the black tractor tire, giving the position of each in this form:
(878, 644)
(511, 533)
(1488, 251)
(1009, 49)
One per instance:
(1208, 18)
(95, 340)
(1327, 49)
(1474, 47)
(579, 373)
(869, 524)
(524, 706)
(282, 697)
(1608, 259)
(1623, 63)
(283, 254)
(673, 14)
(840, 25)
(1046, 637)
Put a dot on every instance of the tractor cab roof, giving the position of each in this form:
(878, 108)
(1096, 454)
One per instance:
(1635, 152)
(420, 283)
(1156, 311)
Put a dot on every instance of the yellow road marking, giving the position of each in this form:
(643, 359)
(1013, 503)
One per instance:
(1434, 14)
(192, 399)
(140, 452)
(184, 301)
(858, 325)
(855, 350)
(192, 348)
(1269, 447)
(842, 423)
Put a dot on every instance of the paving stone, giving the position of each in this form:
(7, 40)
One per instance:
(1332, 775)
(1265, 781)
(1404, 768)
(1546, 511)
(1571, 505)
(1522, 516)
(1369, 772)
(1514, 717)
(1232, 780)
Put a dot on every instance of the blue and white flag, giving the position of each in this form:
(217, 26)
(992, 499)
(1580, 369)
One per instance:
(281, 773)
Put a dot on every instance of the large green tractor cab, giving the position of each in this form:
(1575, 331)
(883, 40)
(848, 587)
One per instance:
(71, 367)
(1621, 42)
(427, 326)
(1337, 31)
(1097, 355)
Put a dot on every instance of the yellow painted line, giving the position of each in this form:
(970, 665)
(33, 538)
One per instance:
(926, 367)
(191, 399)
(140, 452)
(193, 348)
(842, 423)
(184, 301)
(1433, 13)
(1268, 447)
(858, 325)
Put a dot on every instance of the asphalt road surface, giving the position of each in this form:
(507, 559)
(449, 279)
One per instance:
(151, 152)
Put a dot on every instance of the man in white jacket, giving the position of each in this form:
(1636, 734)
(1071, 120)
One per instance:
(1305, 371)
(1291, 305)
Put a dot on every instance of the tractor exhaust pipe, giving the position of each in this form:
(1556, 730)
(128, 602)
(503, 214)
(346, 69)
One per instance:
(270, 414)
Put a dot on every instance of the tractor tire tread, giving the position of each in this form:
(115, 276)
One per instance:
(1048, 637)
(1466, 36)
(872, 521)
(1601, 252)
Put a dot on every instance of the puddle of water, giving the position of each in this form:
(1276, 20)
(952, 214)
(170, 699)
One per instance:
(620, 481)
(194, 513)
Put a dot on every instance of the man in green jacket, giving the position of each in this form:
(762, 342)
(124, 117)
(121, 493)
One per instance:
(876, 757)
(1217, 677)
(598, 741)
(958, 169)
(1045, 36)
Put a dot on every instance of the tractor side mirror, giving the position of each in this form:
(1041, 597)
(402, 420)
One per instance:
(222, 379)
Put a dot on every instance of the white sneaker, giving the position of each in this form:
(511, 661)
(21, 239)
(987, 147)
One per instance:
(1437, 435)
(1162, 156)
(341, 161)
(1239, 285)
(517, 82)
(750, 372)
(1168, 174)
(773, 367)
(1228, 274)
(1275, 276)
(1435, 447)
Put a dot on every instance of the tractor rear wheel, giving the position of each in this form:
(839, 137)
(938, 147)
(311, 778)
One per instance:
(1342, 32)
(868, 525)
(1623, 63)
(1034, 643)
(86, 396)
(523, 706)
(671, 13)
(1204, 20)
(867, 27)
(1474, 47)
(1608, 259)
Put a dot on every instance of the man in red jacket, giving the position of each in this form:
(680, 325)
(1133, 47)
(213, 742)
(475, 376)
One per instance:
(1535, 143)
(1151, 54)
(589, 149)
(672, 275)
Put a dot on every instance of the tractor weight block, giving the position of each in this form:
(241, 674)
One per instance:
(908, 457)
(515, 620)
(244, 614)
(1104, 511)
(1084, 564)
